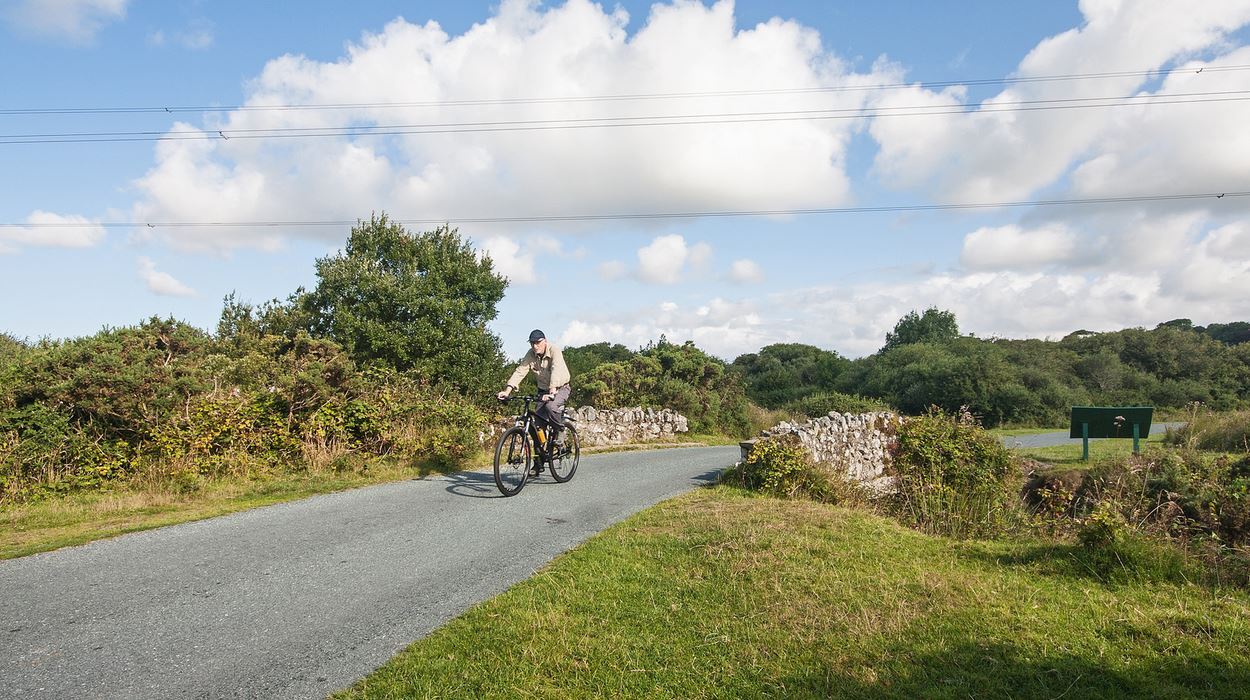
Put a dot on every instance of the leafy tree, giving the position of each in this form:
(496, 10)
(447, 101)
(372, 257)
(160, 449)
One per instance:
(1234, 333)
(680, 377)
(933, 326)
(787, 372)
(584, 359)
(1182, 324)
(411, 302)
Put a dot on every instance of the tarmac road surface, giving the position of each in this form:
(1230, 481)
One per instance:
(300, 599)
(1061, 437)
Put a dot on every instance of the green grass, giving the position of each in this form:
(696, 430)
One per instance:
(1009, 432)
(1070, 454)
(717, 594)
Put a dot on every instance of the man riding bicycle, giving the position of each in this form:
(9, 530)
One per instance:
(552, 375)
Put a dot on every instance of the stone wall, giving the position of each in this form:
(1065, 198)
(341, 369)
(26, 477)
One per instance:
(859, 445)
(623, 426)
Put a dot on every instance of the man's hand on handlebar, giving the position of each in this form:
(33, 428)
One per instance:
(503, 395)
(546, 397)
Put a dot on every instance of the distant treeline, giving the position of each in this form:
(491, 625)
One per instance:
(926, 362)
(389, 354)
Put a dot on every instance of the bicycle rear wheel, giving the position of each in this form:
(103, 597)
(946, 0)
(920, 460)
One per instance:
(564, 461)
(512, 462)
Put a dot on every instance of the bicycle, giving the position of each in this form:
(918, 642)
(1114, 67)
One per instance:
(525, 443)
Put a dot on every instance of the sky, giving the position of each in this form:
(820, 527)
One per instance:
(822, 155)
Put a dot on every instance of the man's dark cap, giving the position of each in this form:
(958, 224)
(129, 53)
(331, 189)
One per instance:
(536, 335)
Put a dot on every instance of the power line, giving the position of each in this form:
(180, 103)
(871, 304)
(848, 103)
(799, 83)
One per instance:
(556, 218)
(616, 122)
(605, 98)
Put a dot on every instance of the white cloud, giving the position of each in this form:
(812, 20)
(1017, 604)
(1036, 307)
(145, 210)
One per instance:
(520, 260)
(699, 255)
(526, 49)
(162, 283)
(198, 36)
(613, 270)
(991, 156)
(508, 260)
(724, 328)
(77, 21)
(667, 259)
(745, 272)
(1216, 269)
(46, 229)
(1202, 272)
(1014, 247)
(662, 260)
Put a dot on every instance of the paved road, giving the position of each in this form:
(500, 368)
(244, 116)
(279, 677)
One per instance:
(300, 599)
(1061, 438)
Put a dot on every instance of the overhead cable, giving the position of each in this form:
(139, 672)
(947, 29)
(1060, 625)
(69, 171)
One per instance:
(638, 121)
(552, 218)
(610, 98)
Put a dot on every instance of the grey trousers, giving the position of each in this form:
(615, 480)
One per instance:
(551, 412)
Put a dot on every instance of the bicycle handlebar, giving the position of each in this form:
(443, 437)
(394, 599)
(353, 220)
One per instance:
(535, 398)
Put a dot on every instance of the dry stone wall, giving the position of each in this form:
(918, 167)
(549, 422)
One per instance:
(859, 445)
(623, 426)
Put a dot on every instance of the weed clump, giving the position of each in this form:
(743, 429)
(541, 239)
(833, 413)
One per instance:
(781, 467)
(952, 477)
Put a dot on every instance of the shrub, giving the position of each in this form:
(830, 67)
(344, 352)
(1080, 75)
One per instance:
(451, 433)
(818, 405)
(224, 435)
(953, 477)
(781, 467)
(1104, 527)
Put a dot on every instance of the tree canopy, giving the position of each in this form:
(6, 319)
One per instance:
(411, 302)
(933, 326)
(784, 373)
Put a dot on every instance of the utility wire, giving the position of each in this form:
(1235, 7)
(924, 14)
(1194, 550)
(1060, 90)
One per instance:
(610, 122)
(610, 98)
(646, 215)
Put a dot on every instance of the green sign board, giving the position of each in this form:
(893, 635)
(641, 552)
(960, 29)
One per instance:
(1110, 422)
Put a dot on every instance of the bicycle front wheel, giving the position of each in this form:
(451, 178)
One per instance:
(512, 462)
(564, 461)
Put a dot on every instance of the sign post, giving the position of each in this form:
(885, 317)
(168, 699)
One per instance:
(1110, 422)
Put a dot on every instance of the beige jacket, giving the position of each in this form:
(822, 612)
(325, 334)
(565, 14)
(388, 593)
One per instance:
(549, 369)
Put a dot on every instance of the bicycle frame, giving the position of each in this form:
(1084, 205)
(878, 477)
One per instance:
(528, 421)
(525, 448)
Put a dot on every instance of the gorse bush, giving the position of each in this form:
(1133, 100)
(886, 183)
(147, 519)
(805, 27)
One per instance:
(680, 377)
(953, 477)
(777, 466)
(821, 404)
(781, 467)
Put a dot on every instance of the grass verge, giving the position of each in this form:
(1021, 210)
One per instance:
(717, 594)
(1070, 454)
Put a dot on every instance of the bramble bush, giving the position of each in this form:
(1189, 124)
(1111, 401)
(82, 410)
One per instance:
(822, 404)
(953, 477)
(781, 467)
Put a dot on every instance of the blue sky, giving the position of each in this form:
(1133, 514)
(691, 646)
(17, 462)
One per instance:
(732, 284)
